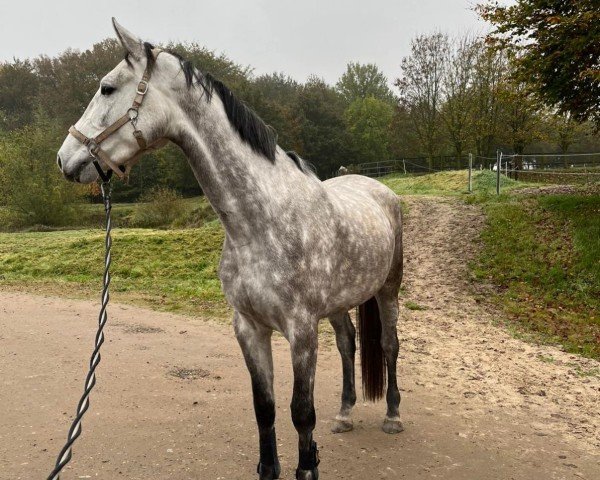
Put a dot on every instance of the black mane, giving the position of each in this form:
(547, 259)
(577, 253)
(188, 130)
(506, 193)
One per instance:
(260, 136)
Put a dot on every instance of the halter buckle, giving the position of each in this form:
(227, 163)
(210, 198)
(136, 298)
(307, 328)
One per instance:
(93, 147)
(142, 87)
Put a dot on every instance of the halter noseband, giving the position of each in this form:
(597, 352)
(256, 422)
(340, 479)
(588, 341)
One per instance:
(93, 144)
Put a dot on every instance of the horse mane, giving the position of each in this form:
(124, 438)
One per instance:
(251, 128)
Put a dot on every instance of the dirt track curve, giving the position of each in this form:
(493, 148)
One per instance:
(173, 397)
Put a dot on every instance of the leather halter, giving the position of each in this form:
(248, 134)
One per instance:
(93, 144)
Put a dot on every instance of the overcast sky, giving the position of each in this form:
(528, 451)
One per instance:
(298, 37)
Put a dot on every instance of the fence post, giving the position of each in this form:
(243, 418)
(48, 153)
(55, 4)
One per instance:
(404, 165)
(498, 160)
(470, 172)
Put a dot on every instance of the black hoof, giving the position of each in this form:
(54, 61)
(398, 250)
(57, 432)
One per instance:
(307, 474)
(268, 472)
(309, 461)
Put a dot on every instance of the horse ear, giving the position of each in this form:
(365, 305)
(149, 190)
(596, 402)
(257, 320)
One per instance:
(130, 42)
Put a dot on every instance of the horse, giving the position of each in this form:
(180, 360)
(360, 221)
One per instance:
(297, 250)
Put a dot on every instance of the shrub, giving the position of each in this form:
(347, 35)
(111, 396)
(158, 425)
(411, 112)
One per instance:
(32, 189)
(159, 207)
(197, 217)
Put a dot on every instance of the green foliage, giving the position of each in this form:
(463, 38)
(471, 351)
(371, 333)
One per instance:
(368, 120)
(324, 136)
(276, 101)
(18, 91)
(68, 82)
(543, 254)
(557, 47)
(452, 99)
(360, 81)
(159, 207)
(32, 189)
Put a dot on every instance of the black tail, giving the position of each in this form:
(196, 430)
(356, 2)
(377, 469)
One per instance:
(372, 360)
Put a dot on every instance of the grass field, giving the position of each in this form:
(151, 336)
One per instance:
(543, 255)
(453, 183)
(168, 269)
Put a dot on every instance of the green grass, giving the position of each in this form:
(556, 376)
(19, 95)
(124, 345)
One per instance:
(195, 212)
(414, 306)
(448, 183)
(543, 255)
(167, 269)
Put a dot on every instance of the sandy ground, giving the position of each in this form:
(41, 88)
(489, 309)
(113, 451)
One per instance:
(173, 397)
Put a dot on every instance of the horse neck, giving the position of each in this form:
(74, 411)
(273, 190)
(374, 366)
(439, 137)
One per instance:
(244, 187)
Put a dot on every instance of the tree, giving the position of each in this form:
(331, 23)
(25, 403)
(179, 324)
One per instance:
(69, 81)
(18, 91)
(276, 101)
(557, 50)
(563, 132)
(362, 81)
(368, 121)
(457, 111)
(567, 131)
(421, 88)
(325, 140)
(31, 186)
(519, 113)
(489, 71)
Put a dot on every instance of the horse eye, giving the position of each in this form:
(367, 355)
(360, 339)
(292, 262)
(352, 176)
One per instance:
(106, 89)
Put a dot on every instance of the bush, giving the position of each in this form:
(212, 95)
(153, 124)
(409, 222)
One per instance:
(32, 189)
(159, 207)
(197, 217)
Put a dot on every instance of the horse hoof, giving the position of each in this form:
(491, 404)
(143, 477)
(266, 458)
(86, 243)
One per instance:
(392, 426)
(307, 474)
(268, 472)
(341, 426)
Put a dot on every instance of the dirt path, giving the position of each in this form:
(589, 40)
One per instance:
(173, 398)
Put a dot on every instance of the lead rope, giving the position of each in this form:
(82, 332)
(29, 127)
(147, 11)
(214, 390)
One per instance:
(66, 453)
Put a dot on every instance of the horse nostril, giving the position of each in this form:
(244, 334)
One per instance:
(59, 161)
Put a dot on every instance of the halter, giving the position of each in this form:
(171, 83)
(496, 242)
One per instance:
(93, 144)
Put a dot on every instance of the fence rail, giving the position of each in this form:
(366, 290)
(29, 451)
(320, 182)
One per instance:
(539, 167)
(414, 165)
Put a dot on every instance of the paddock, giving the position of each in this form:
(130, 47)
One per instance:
(173, 397)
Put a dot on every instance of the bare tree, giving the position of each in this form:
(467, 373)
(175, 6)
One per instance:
(488, 71)
(457, 112)
(421, 89)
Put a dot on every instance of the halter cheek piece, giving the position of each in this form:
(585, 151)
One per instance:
(93, 144)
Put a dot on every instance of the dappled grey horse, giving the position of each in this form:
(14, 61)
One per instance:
(296, 249)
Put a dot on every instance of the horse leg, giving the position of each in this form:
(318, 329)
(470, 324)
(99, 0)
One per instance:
(255, 341)
(345, 338)
(388, 310)
(387, 300)
(304, 361)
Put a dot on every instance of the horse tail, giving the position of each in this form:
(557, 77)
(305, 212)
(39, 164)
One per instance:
(372, 360)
